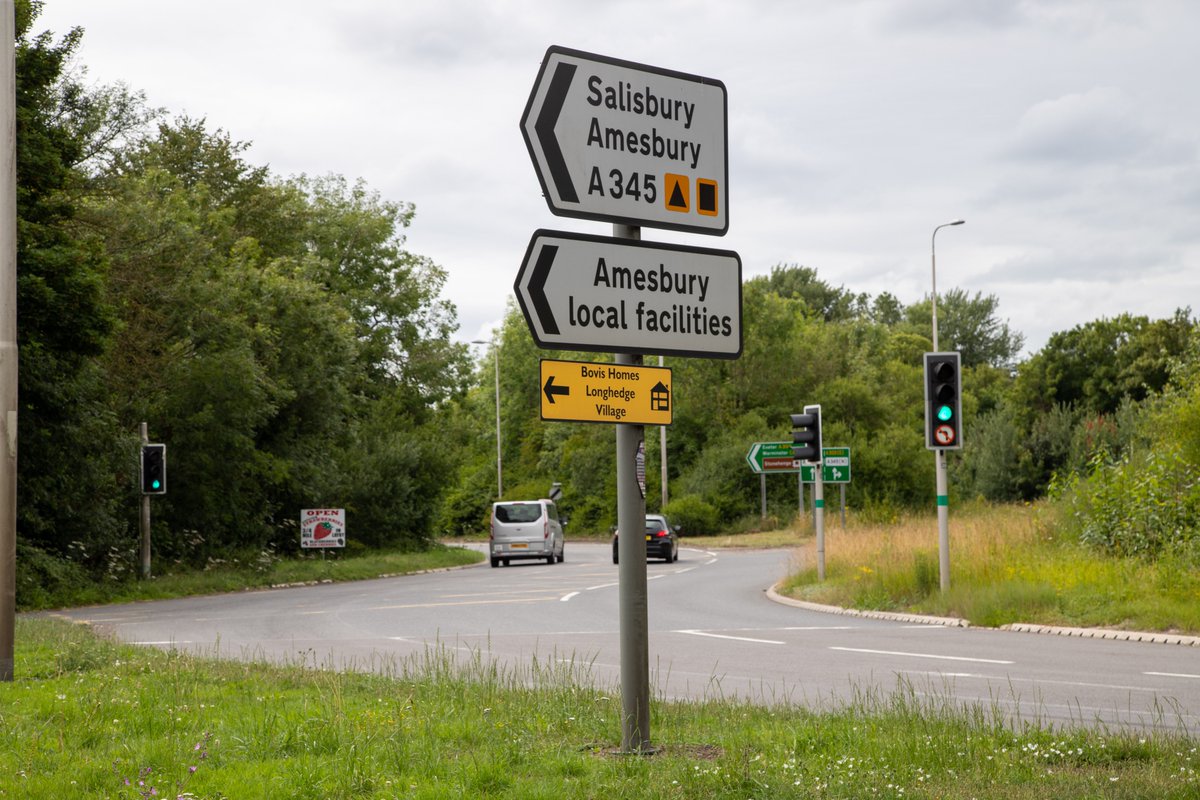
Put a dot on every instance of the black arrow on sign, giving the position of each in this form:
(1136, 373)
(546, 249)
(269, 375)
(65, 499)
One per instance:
(537, 288)
(552, 390)
(556, 95)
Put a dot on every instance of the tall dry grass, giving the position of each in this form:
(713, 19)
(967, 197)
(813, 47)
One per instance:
(1008, 563)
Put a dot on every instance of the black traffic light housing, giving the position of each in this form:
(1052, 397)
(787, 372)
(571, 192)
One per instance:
(154, 469)
(806, 435)
(943, 401)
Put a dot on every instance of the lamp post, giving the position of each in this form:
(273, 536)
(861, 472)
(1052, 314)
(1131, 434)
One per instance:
(943, 492)
(499, 470)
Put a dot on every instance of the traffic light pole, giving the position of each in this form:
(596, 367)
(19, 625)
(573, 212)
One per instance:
(145, 516)
(943, 515)
(943, 492)
(819, 518)
(632, 595)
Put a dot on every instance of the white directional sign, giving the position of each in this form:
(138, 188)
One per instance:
(581, 292)
(622, 142)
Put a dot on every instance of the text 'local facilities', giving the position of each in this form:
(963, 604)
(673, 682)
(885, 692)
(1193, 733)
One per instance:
(627, 296)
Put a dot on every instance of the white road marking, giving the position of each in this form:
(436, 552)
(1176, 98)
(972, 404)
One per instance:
(921, 655)
(567, 597)
(734, 638)
(1172, 674)
(1046, 681)
(465, 603)
(822, 628)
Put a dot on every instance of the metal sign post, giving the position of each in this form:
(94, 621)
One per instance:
(632, 595)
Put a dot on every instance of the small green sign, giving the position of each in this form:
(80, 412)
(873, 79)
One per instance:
(774, 457)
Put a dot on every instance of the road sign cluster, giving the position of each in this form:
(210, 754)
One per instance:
(630, 144)
(776, 457)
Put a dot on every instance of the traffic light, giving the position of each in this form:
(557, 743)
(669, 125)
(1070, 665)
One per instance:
(806, 435)
(943, 401)
(154, 469)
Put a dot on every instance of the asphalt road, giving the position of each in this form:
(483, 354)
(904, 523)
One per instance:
(713, 633)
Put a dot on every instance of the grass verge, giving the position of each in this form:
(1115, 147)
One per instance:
(89, 718)
(1006, 565)
(250, 573)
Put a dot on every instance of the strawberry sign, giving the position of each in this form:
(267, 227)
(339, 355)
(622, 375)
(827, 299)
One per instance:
(323, 527)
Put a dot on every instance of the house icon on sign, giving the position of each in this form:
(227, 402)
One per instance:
(660, 398)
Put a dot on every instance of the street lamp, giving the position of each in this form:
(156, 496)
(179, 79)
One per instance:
(496, 355)
(933, 264)
(943, 492)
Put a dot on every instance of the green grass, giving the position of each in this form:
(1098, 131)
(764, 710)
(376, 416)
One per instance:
(1007, 564)
(252, 572)
(85, 714)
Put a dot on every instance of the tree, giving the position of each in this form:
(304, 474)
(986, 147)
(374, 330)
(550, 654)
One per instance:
(1095, 366)
(75, 460)
(969, 325)
(796, 282)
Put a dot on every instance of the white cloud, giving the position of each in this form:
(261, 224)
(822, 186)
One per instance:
(1065, 132)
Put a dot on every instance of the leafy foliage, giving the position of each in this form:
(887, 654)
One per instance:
(275, 333)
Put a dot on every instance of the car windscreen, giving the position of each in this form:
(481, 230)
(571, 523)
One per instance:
(519, 512)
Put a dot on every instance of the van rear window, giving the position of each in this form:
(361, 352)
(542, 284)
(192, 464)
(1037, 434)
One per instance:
(519, 512)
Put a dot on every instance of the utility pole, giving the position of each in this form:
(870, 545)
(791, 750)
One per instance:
(8, 339)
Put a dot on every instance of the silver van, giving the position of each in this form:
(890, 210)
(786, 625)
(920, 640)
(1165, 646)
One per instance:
(526, 529)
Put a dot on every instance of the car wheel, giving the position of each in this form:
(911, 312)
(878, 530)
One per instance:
(506, 561)
(676, 556)
(615, 554)
(495, 562)
(562, 554)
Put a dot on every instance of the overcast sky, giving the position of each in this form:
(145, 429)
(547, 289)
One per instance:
(1067, 134)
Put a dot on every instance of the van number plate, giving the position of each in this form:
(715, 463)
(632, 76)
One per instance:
(519, 546)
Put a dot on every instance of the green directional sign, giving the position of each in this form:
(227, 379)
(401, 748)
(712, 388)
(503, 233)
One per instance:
(835, 464)
(772, 457)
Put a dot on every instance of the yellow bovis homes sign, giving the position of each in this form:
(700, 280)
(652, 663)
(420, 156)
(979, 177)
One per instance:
(576, 391)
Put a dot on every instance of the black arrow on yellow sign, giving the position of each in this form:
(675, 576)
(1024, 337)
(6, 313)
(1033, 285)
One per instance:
(552, 390)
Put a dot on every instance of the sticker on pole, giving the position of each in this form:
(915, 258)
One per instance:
(322, 527)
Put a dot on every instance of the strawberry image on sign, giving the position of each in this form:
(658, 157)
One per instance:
(323, 529)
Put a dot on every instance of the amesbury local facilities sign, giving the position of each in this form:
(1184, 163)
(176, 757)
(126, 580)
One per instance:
(581, 292)
(623, 142)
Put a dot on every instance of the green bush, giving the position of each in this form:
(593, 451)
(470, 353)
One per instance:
(41, 577)
(694, 515)
(1140, 506)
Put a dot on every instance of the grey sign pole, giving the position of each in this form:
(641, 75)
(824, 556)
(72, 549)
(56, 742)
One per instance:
(842, 488)
(8, 341)
(631, 575)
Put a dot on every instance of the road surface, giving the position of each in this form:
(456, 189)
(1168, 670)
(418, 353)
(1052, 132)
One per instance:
(713, 633)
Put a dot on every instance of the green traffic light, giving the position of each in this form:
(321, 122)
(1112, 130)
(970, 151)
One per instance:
(156, 484)
(945, 413)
